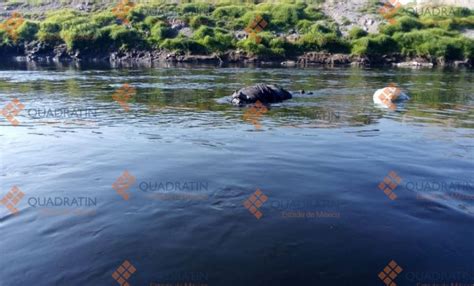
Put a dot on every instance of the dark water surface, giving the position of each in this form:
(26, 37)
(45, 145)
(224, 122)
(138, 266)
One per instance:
(196, 161)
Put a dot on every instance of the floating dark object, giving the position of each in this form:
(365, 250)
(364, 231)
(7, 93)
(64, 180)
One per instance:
(260, 92)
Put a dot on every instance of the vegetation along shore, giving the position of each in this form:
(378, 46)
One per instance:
(291, 33)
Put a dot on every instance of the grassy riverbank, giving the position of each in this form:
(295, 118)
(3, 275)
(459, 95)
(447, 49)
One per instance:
(289, 29)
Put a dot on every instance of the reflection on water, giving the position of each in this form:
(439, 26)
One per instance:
(318, 159)
(438, 97)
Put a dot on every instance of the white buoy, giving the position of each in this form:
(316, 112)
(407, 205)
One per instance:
(388, 96)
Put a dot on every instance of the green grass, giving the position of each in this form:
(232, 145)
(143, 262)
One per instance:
(215, 23)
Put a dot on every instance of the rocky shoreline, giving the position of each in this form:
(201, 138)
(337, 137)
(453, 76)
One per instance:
(41, 52)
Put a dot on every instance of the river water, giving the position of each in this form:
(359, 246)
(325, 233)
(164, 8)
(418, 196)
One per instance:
(148, 166)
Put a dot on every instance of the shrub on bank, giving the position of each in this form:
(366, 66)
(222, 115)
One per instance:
(136, 16)
(283, 16)
(229, 12)
(314, 14)
(251, 46)
(196, 8)
(151, 21)
(377, 45)
(403, 24)
(124, 37)
(469, 49)
(434, 42)
(449, 23)
(218, 43)
(357, 33)
(49, 32)
(200, 20)
(219, 27)
(248, 18)
(4, 39)
(50, 28)
(81, 36)
(202, 32)
(329, 42)
(27, 31)
(281, 47)
(183, 44)
(332, 43)
(104, 19)
(159, 32)
(304, 26)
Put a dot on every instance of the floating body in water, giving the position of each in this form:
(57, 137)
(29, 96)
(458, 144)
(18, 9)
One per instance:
(260, 92)
(388, 96)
